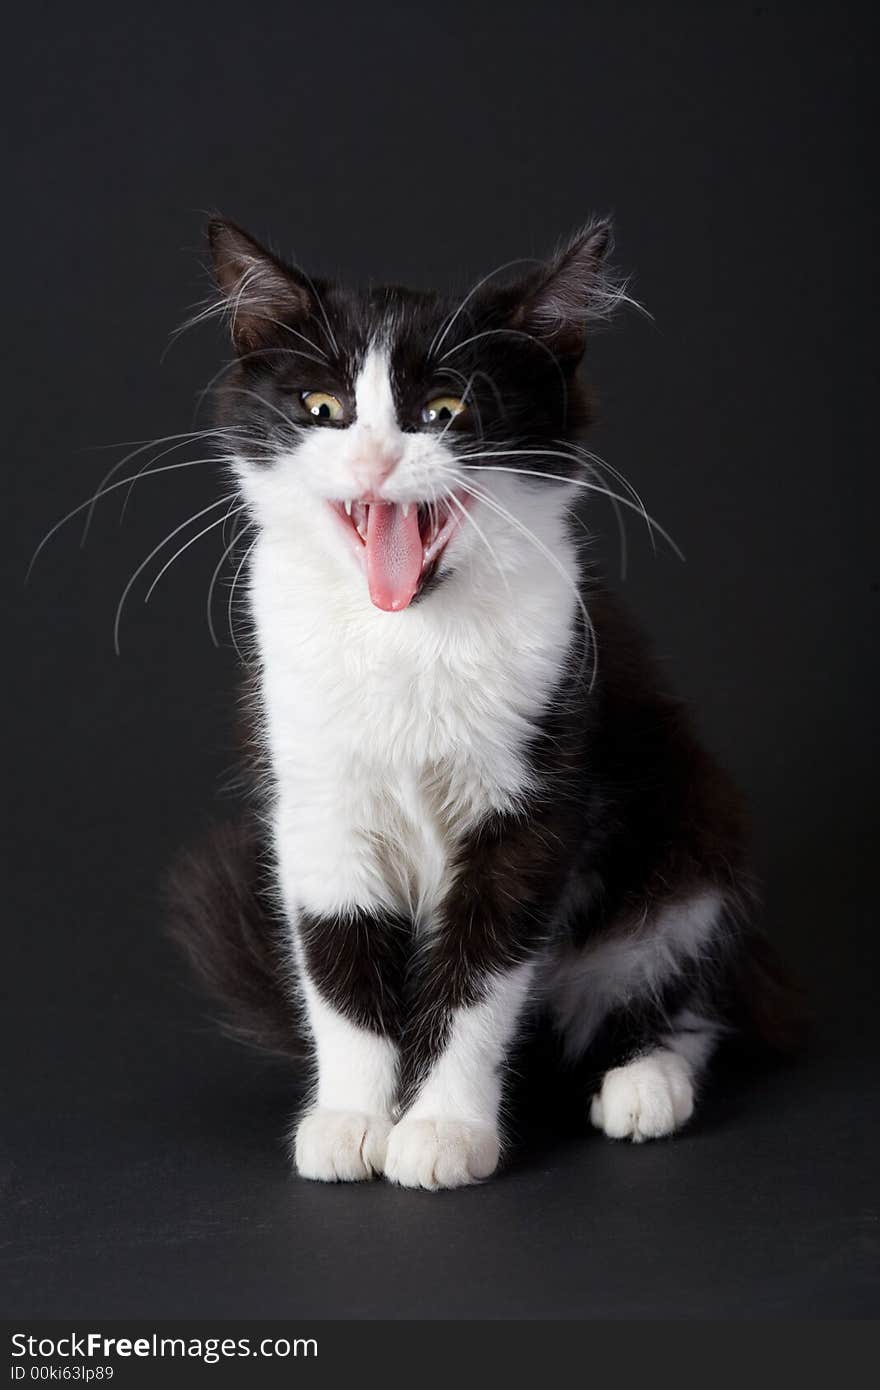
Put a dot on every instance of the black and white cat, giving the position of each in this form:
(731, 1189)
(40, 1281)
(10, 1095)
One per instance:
(481, 805)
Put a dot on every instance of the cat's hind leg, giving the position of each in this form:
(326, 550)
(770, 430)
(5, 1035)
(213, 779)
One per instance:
(652, 1094)
(643, 998)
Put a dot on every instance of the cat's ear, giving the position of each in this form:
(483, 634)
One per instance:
(571, 291)
(259, 290)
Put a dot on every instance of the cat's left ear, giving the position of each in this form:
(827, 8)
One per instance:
(571, 292)
(261, 292)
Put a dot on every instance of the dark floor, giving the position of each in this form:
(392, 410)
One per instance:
(144, 1176)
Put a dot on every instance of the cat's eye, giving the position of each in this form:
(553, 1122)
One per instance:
(442, 410)
(325, 408)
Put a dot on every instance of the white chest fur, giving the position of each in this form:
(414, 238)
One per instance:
(391, 734)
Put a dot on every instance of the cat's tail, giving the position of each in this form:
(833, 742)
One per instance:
(220, 910)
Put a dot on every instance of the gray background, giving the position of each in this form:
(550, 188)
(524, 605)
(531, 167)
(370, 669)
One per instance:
(142, 1166)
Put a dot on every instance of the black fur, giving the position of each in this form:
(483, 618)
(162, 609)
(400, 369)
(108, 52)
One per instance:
(625, 791)
(359, 964)
(221, 911)
(628, 815)
(519, 371)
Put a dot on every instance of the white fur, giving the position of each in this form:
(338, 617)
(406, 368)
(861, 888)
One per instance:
(693, 1037)
(340, 1146)
(342, 1137)
(441, 1153)
(357, 1069)
(649, 1098)
(449, 1136)
(372, 455)
(379, 446)
(584, 986)
(390, 735)
(466, 1081)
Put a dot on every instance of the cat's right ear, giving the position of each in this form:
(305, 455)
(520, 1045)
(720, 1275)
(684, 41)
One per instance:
(259, 291)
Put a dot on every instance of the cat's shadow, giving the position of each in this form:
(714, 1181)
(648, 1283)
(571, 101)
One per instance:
(548, 1100)
(546, 1109)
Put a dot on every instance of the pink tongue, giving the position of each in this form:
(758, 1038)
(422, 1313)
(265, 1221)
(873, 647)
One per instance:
(394, 555)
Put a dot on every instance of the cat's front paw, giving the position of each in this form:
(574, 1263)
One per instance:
(441, 1153)
(647, 1099)
(340, 1145)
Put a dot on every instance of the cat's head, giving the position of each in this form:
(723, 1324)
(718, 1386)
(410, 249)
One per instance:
(404, 430)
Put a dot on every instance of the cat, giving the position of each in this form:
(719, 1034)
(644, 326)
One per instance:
(480, 805)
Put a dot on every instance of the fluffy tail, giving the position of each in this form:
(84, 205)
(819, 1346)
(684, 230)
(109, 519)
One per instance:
(221, 912)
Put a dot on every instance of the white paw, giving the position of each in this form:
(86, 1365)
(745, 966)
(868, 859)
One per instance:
(647, 1099)
(441, 1153)
(340, 1145)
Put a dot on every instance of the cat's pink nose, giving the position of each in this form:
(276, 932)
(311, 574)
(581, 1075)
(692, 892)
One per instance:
(372, 467)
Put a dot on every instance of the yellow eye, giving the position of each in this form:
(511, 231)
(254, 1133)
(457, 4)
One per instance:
(442, 410)
(324, 408)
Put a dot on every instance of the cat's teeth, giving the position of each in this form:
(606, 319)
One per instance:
(405, 510)
(347, 508)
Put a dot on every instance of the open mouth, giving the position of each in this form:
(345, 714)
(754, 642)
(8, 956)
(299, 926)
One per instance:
(399, 544)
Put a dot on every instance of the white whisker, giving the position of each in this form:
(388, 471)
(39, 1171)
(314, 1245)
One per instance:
(493, 387)
(444, 330)
(294, 332)
(481, 533)
(220, 521)
(596, 463)
(220, 307)
(320, 303)
(182, 439)
(121, 482)
(221, 502)
(468, 383)
(553, 560)
(517, 333)
(253, 272)
(209, 606)
(560, 478)
(247, 356)
(230, 602)
(242, 391)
